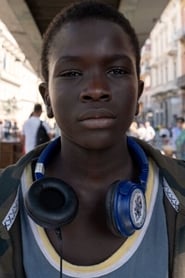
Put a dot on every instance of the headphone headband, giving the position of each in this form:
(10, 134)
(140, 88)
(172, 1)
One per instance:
(142, 160)
(55, 145)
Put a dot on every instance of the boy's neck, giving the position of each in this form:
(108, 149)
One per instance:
(76, 165)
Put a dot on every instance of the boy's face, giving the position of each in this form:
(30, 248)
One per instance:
(93, 85)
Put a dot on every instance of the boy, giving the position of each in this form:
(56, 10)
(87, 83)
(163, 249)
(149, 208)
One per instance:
(95, 188)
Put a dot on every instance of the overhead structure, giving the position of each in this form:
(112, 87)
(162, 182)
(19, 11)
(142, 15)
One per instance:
(28, 19)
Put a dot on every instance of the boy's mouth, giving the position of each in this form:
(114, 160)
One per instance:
(97, 118)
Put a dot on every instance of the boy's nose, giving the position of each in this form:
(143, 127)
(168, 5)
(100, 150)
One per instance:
(97, 89)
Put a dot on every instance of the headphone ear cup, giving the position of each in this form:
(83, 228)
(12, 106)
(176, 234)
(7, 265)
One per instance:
(109, 204)
(126, 208)
(51, 203)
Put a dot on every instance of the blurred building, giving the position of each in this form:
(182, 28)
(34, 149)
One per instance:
(163, 67)
(18, 81)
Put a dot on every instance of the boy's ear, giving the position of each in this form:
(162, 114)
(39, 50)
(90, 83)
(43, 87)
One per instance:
(43, 89)
(140, 91)
(140, 88)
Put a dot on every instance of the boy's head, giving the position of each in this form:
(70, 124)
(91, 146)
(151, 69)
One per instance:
(90, 65)
(82, 11)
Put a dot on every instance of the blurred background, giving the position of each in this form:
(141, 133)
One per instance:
(160, 26)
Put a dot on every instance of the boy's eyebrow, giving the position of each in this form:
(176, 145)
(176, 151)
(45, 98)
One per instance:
(108, 57)
(115, 57)
(68, 58)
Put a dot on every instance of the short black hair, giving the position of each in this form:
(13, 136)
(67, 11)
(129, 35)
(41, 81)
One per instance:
(180, 120)
(85, 10)
(37, 107)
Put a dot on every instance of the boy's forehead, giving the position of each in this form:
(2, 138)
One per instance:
(89, 30)
(91, 43)
(93, 23)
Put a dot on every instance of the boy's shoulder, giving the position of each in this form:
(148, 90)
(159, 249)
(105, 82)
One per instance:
(173, 170)
(11, 175)
(161, 160)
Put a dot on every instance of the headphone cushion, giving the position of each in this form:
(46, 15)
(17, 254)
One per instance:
(109, 204)
(51, 203)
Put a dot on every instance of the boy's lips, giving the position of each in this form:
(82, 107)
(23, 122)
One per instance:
(97, 118)
(96, 114)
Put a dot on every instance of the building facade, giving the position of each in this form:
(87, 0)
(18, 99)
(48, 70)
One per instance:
(18, 81)
(164, 68)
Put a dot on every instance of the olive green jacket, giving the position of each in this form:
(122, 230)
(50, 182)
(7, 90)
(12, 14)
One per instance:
(11, 262)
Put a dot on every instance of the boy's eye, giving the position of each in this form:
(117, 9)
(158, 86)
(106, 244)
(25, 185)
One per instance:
(117, 72)
(70, 74)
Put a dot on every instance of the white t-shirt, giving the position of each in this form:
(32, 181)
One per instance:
(30, 128)
(150, 133)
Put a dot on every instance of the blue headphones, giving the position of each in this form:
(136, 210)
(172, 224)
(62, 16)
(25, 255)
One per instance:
(52, 203)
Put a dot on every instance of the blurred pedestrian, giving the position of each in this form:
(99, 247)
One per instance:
(15, 131)
(150, 132)
(176, 130)
(141, 131)
(30, 128)
(6, 129)
(133, 129)
(180, 144)
(164, 132)
(1, 130)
